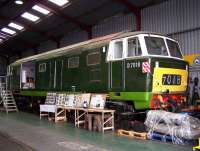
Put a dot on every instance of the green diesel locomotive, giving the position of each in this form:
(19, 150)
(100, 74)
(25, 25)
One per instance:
(143, 69)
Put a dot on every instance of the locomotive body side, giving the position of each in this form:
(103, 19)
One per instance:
(83, 69)
(141, 69)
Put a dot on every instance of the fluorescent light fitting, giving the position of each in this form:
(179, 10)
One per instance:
(19, 2)
(2, 36)
(9, 31)
(30, 16)
(16, 26)
(41, 9)
(59, 2)
(1, 40)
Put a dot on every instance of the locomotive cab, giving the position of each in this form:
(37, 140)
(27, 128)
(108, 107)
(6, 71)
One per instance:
(143, 45)
(146, 69)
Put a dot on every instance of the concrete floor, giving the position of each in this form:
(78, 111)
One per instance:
(43, 135)
(9, 144)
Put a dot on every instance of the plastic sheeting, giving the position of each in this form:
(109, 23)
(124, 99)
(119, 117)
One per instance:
(178, 126)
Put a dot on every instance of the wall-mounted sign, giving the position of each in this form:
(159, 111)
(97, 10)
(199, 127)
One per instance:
(196, 61)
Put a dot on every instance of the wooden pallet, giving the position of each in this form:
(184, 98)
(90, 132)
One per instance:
(58, 119)
(132, 134)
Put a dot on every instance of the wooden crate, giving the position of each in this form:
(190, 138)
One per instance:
(132, 134)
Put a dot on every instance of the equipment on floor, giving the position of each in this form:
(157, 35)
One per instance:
(132, 134)
(51, 107)
(196, 147)
(174, 126)
(93, 117)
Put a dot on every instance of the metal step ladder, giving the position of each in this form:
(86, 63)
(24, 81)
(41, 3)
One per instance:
(2, 88)
(8, 101)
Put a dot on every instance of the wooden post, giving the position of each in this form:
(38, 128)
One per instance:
(97, 125)
(102, 122)
(90, 121)
(113, 122)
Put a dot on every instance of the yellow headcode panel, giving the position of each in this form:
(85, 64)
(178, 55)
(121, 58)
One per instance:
(168, 79)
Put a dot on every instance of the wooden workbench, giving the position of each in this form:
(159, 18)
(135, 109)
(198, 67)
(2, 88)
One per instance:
(81, 112)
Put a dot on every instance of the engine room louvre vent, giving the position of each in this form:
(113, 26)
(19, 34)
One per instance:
(93, 58)
(95, 75)
(73, 62)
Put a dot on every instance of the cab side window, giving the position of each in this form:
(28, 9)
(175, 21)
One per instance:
(118, 50)
(42, 67)
(134, 48)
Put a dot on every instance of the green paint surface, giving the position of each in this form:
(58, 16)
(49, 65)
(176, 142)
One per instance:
(85, 78)
(43, 79)
(42, 93)
(135, 79)
(140, 99)
(14, 78)
(125, 76)
(33, 93)
(117, 76)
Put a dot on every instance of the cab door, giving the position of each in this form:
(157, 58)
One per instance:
(58, 79)
(56, 74)
(116, 66)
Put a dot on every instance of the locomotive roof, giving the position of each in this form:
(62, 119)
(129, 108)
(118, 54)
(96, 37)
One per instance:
(128, 34)
(86, 45)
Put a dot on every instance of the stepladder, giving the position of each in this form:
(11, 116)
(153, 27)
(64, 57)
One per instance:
(8, 101)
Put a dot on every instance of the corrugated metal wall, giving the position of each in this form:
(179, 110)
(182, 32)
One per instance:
(2, 66)
(189, 42)
(46, 46)
(27, 53)
(178, 18)
(13, 58)
(175, 16)
(73, 37)
(114, 24)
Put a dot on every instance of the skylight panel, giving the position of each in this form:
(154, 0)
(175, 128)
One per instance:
(19, 2)
(41, 9)
(9, 31)
(30, 16)
(16, 26)
(59, 2)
